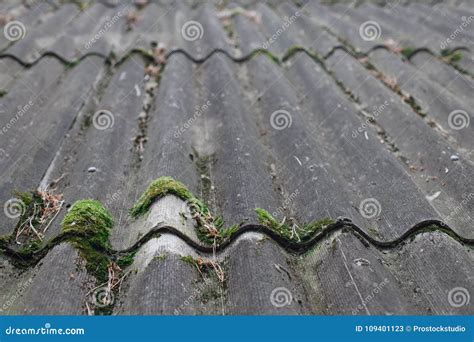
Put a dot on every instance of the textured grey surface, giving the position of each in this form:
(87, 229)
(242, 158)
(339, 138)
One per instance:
(209, 123)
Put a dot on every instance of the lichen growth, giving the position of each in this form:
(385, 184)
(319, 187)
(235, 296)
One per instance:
(160, 257)
(292, 232)
(189, 260)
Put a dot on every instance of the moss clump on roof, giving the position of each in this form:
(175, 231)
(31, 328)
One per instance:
(407, 52)
(90, 224)
(210, 229)
(126, 260)
(455, 57)
(451, 56)
(292, 232)
(88, 218)
(159, 188)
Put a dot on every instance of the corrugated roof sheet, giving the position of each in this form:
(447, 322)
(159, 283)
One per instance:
(355, 112)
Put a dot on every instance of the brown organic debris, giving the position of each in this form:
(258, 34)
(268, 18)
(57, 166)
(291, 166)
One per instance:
(43, 209)
(140, 3)
(5, 18)
(159, 53)
(131, 19)
(108, 289)
(227, 14)
(202, 265)
(393, 46)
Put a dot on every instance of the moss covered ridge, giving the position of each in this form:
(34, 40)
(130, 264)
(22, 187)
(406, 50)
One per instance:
(89, 224)
(159, 188)
(89, 218)
(210, 228)
(292, 231)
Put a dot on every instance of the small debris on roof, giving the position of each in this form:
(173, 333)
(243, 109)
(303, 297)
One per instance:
(229, 13)
(393, 45)
(434, 196)
(5, 19)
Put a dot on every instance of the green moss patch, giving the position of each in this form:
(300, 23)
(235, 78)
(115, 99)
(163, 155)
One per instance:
(292, 232)
(451, 56)
(159, 188)
(455, 57)
(88, 218)
(407, 52)
(126, 260)
(90, 224)
(210, 229)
